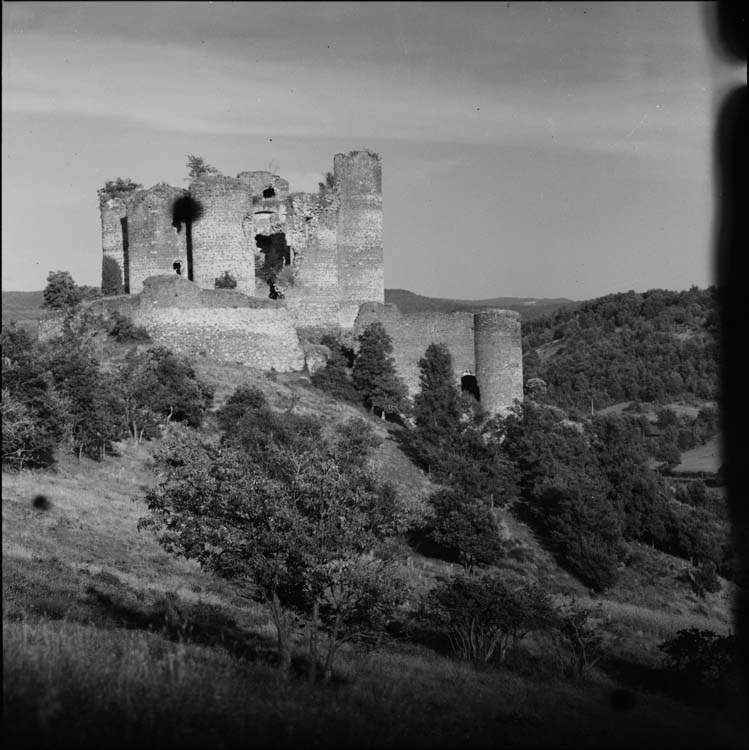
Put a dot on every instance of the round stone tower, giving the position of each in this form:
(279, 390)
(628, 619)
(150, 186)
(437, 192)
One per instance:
(499, 358)
(361, 274)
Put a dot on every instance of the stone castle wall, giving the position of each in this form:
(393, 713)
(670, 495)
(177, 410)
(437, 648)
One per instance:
(153, 242)
(335, 280)
(113, 213)
(412, 333)
(312, 233)
(220, 240)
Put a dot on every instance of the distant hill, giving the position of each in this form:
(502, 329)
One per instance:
(529, 308)
(23, 307)
(653, 346)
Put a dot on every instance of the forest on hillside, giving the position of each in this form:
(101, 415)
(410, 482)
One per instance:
(652, 346)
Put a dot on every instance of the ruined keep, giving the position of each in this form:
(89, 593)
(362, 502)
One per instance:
(303, 263)
(320, 252)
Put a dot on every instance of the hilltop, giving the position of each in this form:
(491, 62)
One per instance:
(655, 346)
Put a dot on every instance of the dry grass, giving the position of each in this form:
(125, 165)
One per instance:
(70, 685)
(82, 587)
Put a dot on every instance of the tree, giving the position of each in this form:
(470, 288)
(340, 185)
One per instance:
(35, 414)
(61, 291)
(486, 615)
(334, 378)
(157, 386)
(437, 411)
(95, 413)
(199, 168)
(374, 373)
(225, 281)
(299, 528)
(578, 632)
(111, 277)
(465, 527)
(119, 188)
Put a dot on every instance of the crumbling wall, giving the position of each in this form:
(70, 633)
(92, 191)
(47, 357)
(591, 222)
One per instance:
(113, 213)
(312, 227)
(154, 244)
(361, 274)
(412, 333)
(499, 358)
(259, 337)
(221, 236)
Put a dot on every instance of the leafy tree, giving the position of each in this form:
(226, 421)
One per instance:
(36, 412)
(111, 277)
(225, 281)
(374, 373)
(61, 291)
(119, 188)
(465, 527)
(95, 411)
(158, 385)
(334, 378)
(198, 167)
(300, 535)
(702, 663)
(485, 616)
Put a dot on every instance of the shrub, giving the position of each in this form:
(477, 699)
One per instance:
(225, 281)
(485, 616)
(578, 636)
(61, 291)
(111, 277)
(123, 330)
(704, 579)
(465, 528)
(702, 663)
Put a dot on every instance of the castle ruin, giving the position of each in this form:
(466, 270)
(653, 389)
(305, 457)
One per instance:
(304, 264)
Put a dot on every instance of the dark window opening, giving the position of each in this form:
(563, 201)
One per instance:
(186, 210)
(275, 255)
(177, 266)
(269, 192)
(125, 256)
(469, 384)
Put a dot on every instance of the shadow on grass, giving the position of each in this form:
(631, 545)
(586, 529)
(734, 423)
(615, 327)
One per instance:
(199, 623)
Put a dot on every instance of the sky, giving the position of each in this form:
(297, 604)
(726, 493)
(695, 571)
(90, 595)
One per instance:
(529, 149)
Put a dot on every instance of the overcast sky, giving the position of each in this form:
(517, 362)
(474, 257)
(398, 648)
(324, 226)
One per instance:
(529, 149)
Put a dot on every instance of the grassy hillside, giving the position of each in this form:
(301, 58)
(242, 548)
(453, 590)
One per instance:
(110, 642)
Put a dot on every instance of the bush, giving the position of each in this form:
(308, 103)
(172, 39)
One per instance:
(465, 528)
(61, 291)
(578, 637)
(704, 579)
(225, 281)
(111, 277)
(702, 663)
(485, 616)
(124, 331)
(36, 415)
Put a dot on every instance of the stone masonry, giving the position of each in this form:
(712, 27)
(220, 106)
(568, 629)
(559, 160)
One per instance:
(304, 263)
